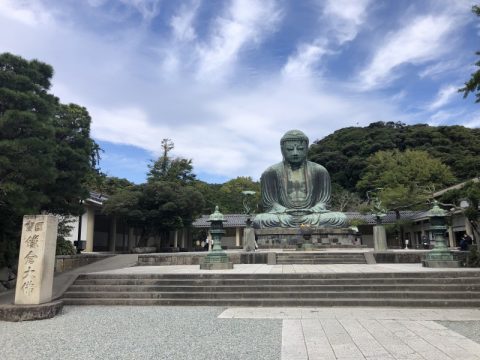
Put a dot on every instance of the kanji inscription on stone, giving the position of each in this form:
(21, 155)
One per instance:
(36, 259)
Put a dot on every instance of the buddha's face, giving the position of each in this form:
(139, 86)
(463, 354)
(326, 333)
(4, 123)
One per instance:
(294, 151)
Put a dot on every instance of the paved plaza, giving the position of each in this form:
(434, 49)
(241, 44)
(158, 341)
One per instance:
(113, 332)
(214, 332)
(286, 269)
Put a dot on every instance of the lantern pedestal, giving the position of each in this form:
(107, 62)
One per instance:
(216, 261)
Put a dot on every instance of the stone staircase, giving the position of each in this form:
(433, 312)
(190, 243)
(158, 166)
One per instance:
(421, 289)
(285, 258)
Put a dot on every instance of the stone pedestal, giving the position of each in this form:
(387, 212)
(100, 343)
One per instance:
(216, 260)
(379, 238)
(248, 239)
(36, 260)
(289, 237)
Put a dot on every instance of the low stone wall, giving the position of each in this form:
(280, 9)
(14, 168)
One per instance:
(196, 258)
(390, 257)
(69, 262)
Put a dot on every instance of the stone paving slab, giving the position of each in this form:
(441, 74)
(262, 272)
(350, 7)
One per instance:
(366, 333)
(286, 269)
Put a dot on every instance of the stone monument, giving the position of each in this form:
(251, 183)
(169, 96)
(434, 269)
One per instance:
(296, 192)
(36, 260)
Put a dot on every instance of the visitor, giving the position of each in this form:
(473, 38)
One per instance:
(463, 244)
(206, 245)
(425, 242)
(469, 240)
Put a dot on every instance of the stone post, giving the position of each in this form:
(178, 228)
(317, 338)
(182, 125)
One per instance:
(379, 238)
(36, 261)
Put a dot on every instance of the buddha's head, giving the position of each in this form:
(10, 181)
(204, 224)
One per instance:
(294, 146)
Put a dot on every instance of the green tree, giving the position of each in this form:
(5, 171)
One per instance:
(473, 85)
(106, 185)
(46, 153)
(166, 168)
(343, 200)
(470, 191)
(404, 180)
(230, 197)
(169, 200)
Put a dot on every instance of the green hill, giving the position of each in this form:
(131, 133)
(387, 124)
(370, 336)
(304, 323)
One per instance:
(344, 153)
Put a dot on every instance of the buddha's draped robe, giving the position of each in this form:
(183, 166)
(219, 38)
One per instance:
(290, 202)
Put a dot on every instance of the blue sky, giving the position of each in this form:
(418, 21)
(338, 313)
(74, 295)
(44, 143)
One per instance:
(225, 79)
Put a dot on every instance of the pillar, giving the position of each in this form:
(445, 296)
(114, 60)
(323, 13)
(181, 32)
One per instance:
(184, 240)
(451, 237)
(90, 228)
(112, 238)
(209, 237)
(237, 236)
(175, 239)
(468, 227)
(131, 238)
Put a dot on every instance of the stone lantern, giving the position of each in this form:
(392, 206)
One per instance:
(216, 259)
(439, 256)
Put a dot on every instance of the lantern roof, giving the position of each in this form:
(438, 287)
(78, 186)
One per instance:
(436, 211)
(216, 215)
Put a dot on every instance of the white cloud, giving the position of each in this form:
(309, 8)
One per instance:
(420, 41)
(304, 61)
(346, 17)
(440, 68)
(31, 13)
(149, 9)
(445, 94)
(443, 117)
(182, 22)
(340, 22)
(244, 22)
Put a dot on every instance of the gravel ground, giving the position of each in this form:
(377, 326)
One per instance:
(469, 329)
(95, 332)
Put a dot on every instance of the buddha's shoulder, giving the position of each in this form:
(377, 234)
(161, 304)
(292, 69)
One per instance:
(273, 169)
(312, 166)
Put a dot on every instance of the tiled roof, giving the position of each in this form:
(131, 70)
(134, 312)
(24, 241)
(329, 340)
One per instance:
(238, 220)
(96, 198)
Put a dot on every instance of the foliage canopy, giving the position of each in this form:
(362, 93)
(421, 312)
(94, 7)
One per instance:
(46, 153)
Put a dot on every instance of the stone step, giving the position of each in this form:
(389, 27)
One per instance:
(457, 303)
(318, 262)
(287, 288)
(356, 275)
(275, 294)
(452, 288)
(279, 281)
